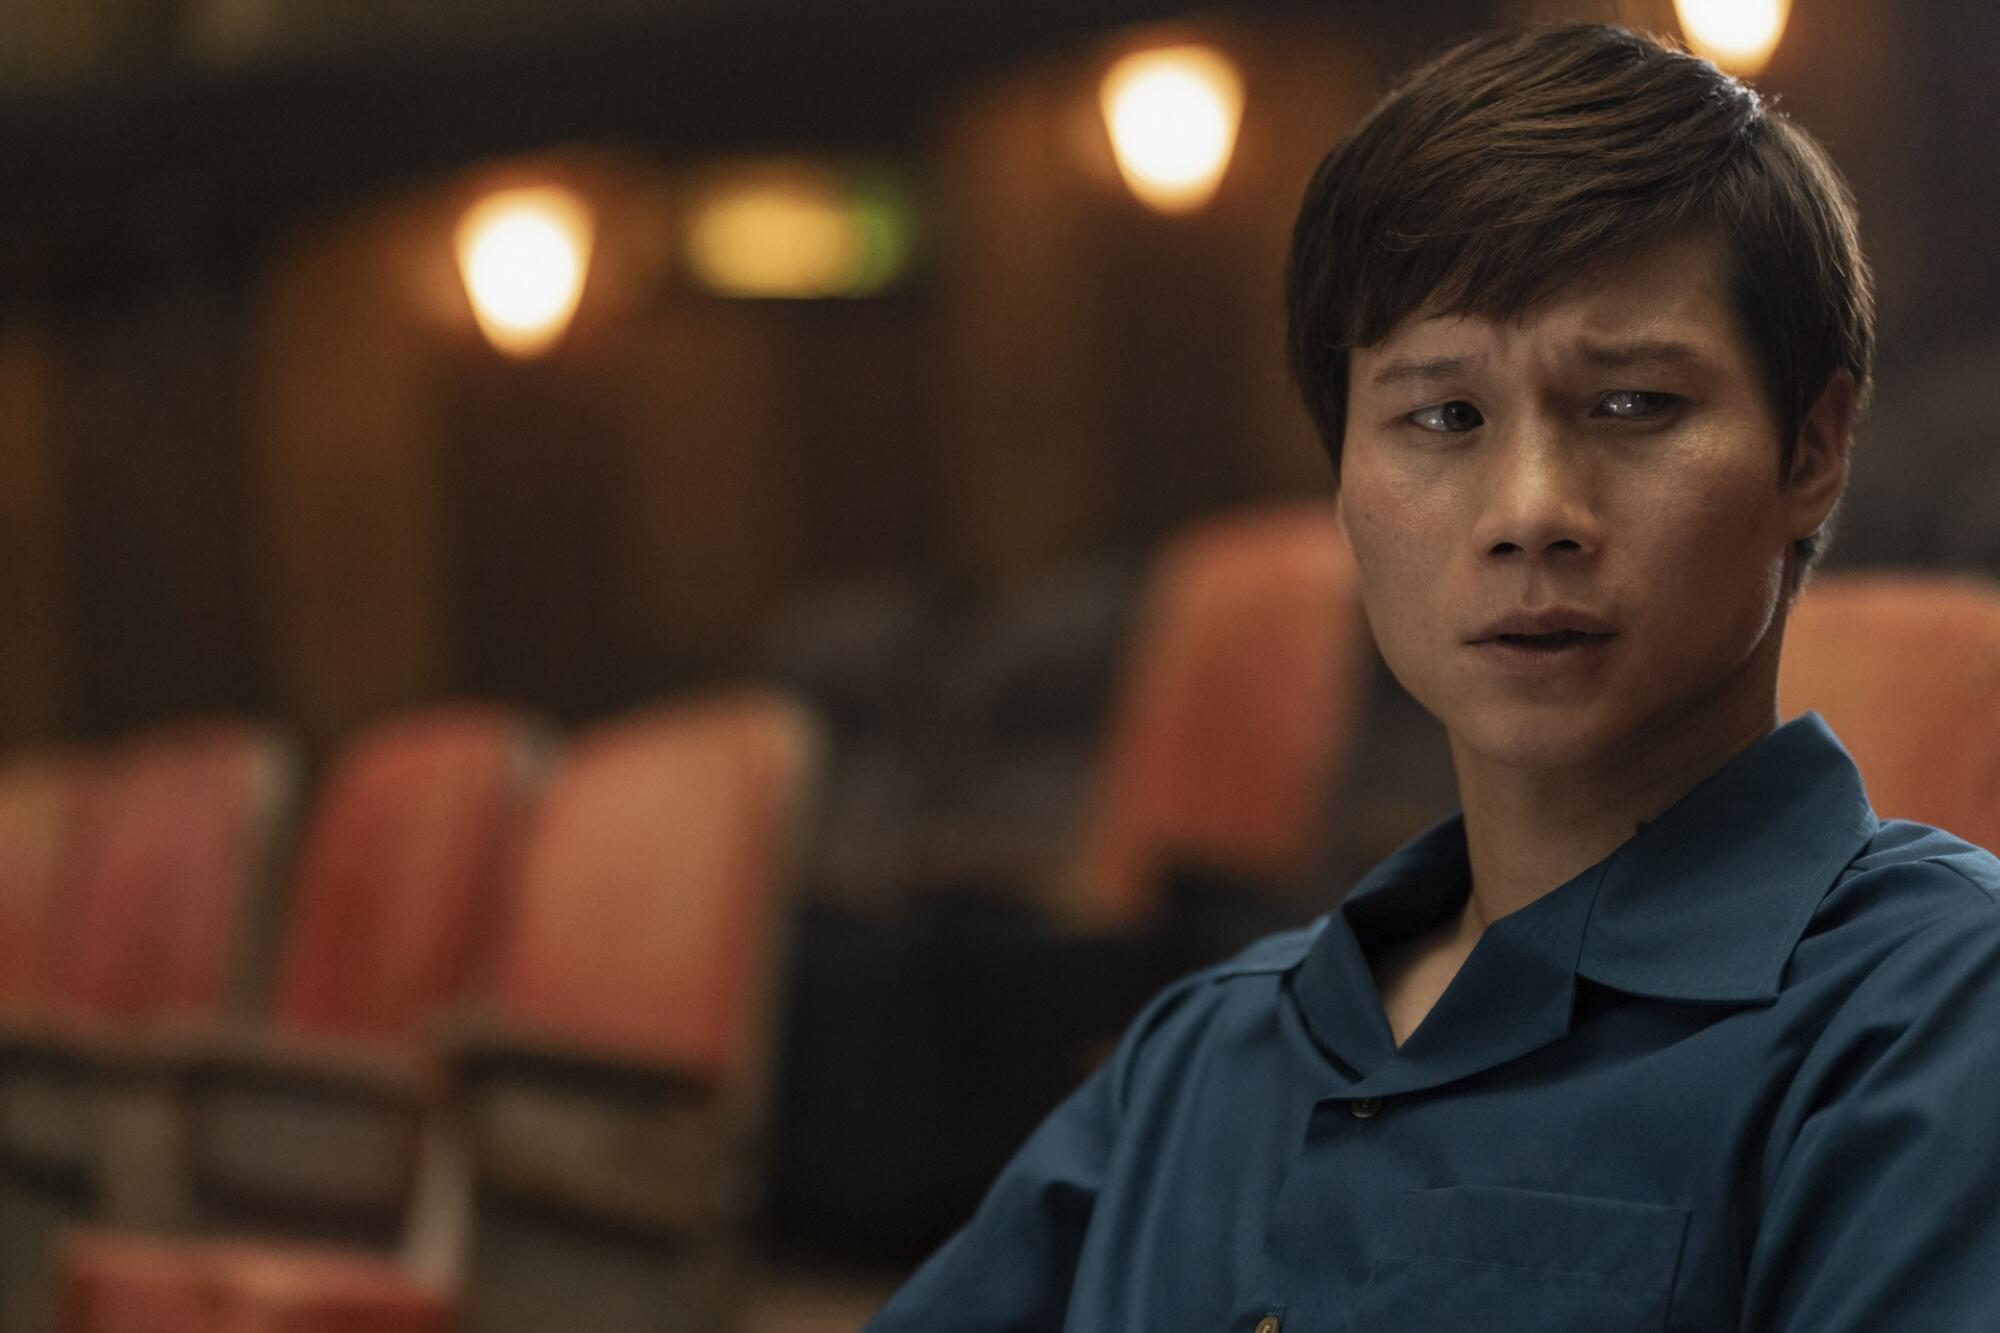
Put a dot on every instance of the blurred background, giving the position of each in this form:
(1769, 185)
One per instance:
(258, 455)
(357, 357)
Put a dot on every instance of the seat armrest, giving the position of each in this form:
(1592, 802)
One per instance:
(350, 1071)
(280, 1126)
(56, 1081)
(155, 1116)
(600, 1134)
(475, 1048)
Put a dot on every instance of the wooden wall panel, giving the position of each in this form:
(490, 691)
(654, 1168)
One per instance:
(348, 479)
(1112, 372)
(1306, 87)
(862, 379)
(35, 647)
(1027, 432)
(531, 470)
(707, 517)
(149, 431)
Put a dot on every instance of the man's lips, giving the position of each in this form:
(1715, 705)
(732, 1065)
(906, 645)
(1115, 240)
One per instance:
(1543, 645)
(1544, 648)
(1549, 627)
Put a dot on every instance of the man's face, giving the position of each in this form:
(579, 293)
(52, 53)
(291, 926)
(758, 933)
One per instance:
(1569, 527)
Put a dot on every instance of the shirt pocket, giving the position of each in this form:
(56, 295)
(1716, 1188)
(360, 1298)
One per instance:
(1499, 1260)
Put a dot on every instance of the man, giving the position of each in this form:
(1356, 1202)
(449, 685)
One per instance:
(1666, 1031)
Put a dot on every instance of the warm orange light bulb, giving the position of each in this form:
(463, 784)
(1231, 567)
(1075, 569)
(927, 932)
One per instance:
(1738, 35)
(1173, 113)
(524, 255)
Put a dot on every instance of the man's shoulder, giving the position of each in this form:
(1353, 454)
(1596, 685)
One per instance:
(1910, 887)
(1204, 991)
(1918, 875)
(1923, 949)
(1222, 1007)
(1273, 953)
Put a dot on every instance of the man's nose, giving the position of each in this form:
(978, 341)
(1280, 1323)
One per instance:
(1539, 498)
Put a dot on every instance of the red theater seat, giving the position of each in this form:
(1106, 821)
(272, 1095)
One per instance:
(190, 828)
(614, 1101)
(1237, 707)
(312, 1123)
(114, 1283)
(184, 830)
(409, 838)
(44, 803)
(1906, 670)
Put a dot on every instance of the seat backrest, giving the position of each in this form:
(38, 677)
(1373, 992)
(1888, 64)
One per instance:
(1236, 708)
(1906, 670)
(655, 884)
(44, 805)
(187, 829)
(400, 870)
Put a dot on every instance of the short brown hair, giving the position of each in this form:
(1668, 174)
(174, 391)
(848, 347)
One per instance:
(1492, 174)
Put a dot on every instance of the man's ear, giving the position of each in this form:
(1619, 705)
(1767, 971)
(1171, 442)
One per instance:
(1820, 454)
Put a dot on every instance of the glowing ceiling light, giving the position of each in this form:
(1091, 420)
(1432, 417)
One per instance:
(524, 255)
(798, 231)
(1173, 113)
(1738, 35)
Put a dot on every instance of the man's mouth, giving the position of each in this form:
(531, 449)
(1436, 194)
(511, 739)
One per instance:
(1562, 638)
(1544, 654)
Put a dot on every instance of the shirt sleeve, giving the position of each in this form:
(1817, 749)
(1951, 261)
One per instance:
(1010, 1269)
(1884, 1207)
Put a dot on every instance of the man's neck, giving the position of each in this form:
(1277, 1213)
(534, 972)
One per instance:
(1529, 831)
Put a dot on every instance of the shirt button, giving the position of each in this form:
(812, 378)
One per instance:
(1364, 1108)
(1268, 1324)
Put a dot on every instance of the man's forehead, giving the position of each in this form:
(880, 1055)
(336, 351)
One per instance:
(1665, 297)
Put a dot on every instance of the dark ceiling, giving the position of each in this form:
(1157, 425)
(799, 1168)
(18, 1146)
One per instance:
(181, 163)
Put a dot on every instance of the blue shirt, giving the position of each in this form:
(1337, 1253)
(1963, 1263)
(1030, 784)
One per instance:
(1742, 1074)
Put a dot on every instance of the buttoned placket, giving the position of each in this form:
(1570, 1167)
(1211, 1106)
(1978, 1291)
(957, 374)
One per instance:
(1354, 1106)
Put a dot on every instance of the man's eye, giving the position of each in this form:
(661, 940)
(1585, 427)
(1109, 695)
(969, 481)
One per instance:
(1635, 404)
(1452, 418)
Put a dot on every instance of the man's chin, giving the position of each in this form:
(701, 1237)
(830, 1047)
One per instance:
(1549, 739)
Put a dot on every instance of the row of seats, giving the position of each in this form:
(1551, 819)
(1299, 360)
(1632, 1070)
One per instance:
(516, 989)
(202, 1063)
(1061, 739)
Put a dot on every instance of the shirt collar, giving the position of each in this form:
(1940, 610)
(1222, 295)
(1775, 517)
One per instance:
(1704, 903)
(1707, 902)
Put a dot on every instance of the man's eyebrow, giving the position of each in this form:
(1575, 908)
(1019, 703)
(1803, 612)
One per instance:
(1420, 368)
(1645, 351)
(1598, 356)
